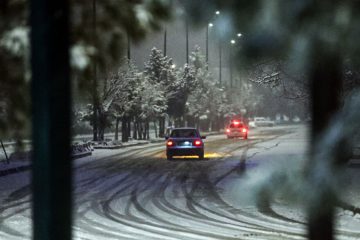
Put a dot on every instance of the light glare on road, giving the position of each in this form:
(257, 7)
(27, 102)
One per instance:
(206, 156)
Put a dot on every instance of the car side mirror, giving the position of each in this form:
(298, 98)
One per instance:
(203, 137)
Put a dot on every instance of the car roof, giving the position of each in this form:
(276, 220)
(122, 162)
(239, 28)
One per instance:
(184, 128)
(232, 123)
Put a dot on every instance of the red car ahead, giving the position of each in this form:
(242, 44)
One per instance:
(237, 129)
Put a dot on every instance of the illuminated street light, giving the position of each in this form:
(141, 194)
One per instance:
(232, 41)
(173, 66)
(217, 12)
(211, 24)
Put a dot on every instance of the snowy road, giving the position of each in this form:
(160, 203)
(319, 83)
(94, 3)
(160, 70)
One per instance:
(137, 194)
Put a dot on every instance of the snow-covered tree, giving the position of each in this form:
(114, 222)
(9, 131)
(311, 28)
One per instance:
(155, 66)
(152, 105)
(110, 91)
(208, 102)
(114, 22)
(160, 71)
(125, 103)
(180, 92)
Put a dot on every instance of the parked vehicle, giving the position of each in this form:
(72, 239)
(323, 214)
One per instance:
(261, 122)
(184, 142)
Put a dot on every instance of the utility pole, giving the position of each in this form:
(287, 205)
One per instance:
(231, 70)
(220, 63)
(231, 58)
(128, 48)
(187, 40)
(207, 46)
(51, 110)
(165, 42)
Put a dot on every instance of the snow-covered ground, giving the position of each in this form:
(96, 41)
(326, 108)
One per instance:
(135, 193)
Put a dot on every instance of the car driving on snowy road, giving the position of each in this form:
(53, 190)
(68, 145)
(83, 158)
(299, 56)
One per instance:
(184, 142)
(237, 129)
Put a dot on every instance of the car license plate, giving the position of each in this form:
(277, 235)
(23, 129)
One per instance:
(185, 143)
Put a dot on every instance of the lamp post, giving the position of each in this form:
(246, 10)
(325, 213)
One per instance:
(208, 26)
(187, 40)
(220, 62)
(232, 42)
(165, 41)
(128, 48)
(217, 13)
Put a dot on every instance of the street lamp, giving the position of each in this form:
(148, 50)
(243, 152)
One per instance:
(187, 39)
(233, 42)
(165, 41)
(220, 63)
(128, 48)
(210, 25)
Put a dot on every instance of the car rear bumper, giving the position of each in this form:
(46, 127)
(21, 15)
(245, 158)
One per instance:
(237, 134)
(184, 151)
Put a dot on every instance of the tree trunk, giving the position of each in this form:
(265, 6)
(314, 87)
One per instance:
(143, 131)
(161, 127)
(170, 122)
(147, 128)
(155, 129)
(101, 125)
(138, 129)
(124, 130)
(191, 121)
(117, 129)
(135, 129)
(129, 127)
(326, 82)
(95, 121)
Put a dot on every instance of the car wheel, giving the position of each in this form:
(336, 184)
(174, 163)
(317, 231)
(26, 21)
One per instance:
(169, 156)
(201, 156)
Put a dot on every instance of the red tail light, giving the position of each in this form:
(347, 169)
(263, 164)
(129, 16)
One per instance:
(227, 130)
(170, 143)
(197, 143)
(244, 130)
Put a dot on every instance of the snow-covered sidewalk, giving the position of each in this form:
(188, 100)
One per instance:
(19, 162)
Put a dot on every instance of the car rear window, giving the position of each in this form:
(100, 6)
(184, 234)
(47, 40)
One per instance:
(236, 125)
(184, 133)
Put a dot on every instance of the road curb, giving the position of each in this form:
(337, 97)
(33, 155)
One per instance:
(14, 170)
(127, 145)
(80, 155)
